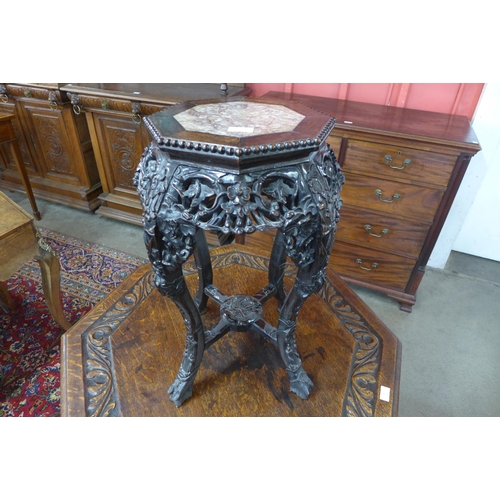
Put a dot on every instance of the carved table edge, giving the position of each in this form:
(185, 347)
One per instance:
(368, 331)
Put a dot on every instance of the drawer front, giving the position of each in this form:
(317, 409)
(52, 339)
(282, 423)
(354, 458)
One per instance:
(399, 162)
(373, 266)
(390, 197)
(95, 103)
(381, 231)
(51, 95)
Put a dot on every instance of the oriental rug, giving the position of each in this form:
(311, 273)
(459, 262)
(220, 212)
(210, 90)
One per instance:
(29, 336)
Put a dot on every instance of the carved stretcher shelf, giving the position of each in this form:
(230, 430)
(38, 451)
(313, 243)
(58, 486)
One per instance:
(121, 358)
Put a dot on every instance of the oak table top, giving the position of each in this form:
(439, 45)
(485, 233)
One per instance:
(120, 359)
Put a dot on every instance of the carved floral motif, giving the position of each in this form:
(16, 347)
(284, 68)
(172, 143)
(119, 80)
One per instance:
(302, 199)
(123, 155)
(49, 132)
(101, 397)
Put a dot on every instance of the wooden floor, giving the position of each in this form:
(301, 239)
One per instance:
(121, 358)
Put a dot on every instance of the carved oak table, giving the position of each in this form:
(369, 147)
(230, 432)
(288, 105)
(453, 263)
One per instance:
(239, 165)
(121, 357)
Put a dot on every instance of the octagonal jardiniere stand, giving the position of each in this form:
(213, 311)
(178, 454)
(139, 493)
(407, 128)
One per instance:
(239, 165)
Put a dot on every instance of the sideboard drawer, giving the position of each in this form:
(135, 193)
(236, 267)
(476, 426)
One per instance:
(382, 231)
(399, 162)
(390, 197)
(361, 263)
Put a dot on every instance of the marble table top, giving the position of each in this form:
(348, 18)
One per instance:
(239, 133)
(239, 119)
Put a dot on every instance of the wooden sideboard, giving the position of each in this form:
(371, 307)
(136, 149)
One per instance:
(82, 142)
(403, 168)
(114, 114)
(55, 146)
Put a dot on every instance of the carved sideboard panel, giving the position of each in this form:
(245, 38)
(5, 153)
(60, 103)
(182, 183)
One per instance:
(114, 115)
(55, 146)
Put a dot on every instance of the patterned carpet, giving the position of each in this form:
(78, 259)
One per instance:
(30, 338)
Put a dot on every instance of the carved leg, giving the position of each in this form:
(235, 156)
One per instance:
(204, 265)
(171, 283)
(51, 282)
(174, 286)
(277, 267)
(300, 383)
(310, 278)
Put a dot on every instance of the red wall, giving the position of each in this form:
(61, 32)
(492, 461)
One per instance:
(453, 98)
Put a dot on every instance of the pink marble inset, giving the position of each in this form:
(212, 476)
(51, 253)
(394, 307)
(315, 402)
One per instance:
(239, 119)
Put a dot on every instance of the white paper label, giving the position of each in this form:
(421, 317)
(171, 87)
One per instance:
(385, 393)
(246, 130)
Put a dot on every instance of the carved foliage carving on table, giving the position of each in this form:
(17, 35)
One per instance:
(301, 199)
(101, 396)
(49, 133)
(361, 394)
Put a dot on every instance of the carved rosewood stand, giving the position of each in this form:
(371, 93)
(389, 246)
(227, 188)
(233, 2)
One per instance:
(239, 165)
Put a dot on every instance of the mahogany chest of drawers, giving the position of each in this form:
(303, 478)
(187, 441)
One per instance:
(403, 168)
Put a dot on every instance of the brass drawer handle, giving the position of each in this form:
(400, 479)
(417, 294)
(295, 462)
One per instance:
(360, 263)
(136, 110)
(53, 101)
(395, 197)
(28, 93)
(75, 101)
(105, 105)
(4, 98)
(382, 233)
(388, 159)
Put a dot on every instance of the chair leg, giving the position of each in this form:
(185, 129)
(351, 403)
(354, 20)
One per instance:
(51, 282)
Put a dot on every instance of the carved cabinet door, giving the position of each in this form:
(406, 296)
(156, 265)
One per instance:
(121, 142)
(51, 143)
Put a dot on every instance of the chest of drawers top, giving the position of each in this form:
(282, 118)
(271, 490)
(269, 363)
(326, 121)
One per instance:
(393, 122)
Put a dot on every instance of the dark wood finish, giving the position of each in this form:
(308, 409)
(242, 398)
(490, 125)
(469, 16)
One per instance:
(8, 139)
(346, 350)
(114, 113)
(55, 145)
(196, 175)
(439, 146)
(19, 242)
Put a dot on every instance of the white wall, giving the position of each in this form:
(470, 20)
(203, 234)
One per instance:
(473, 224)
